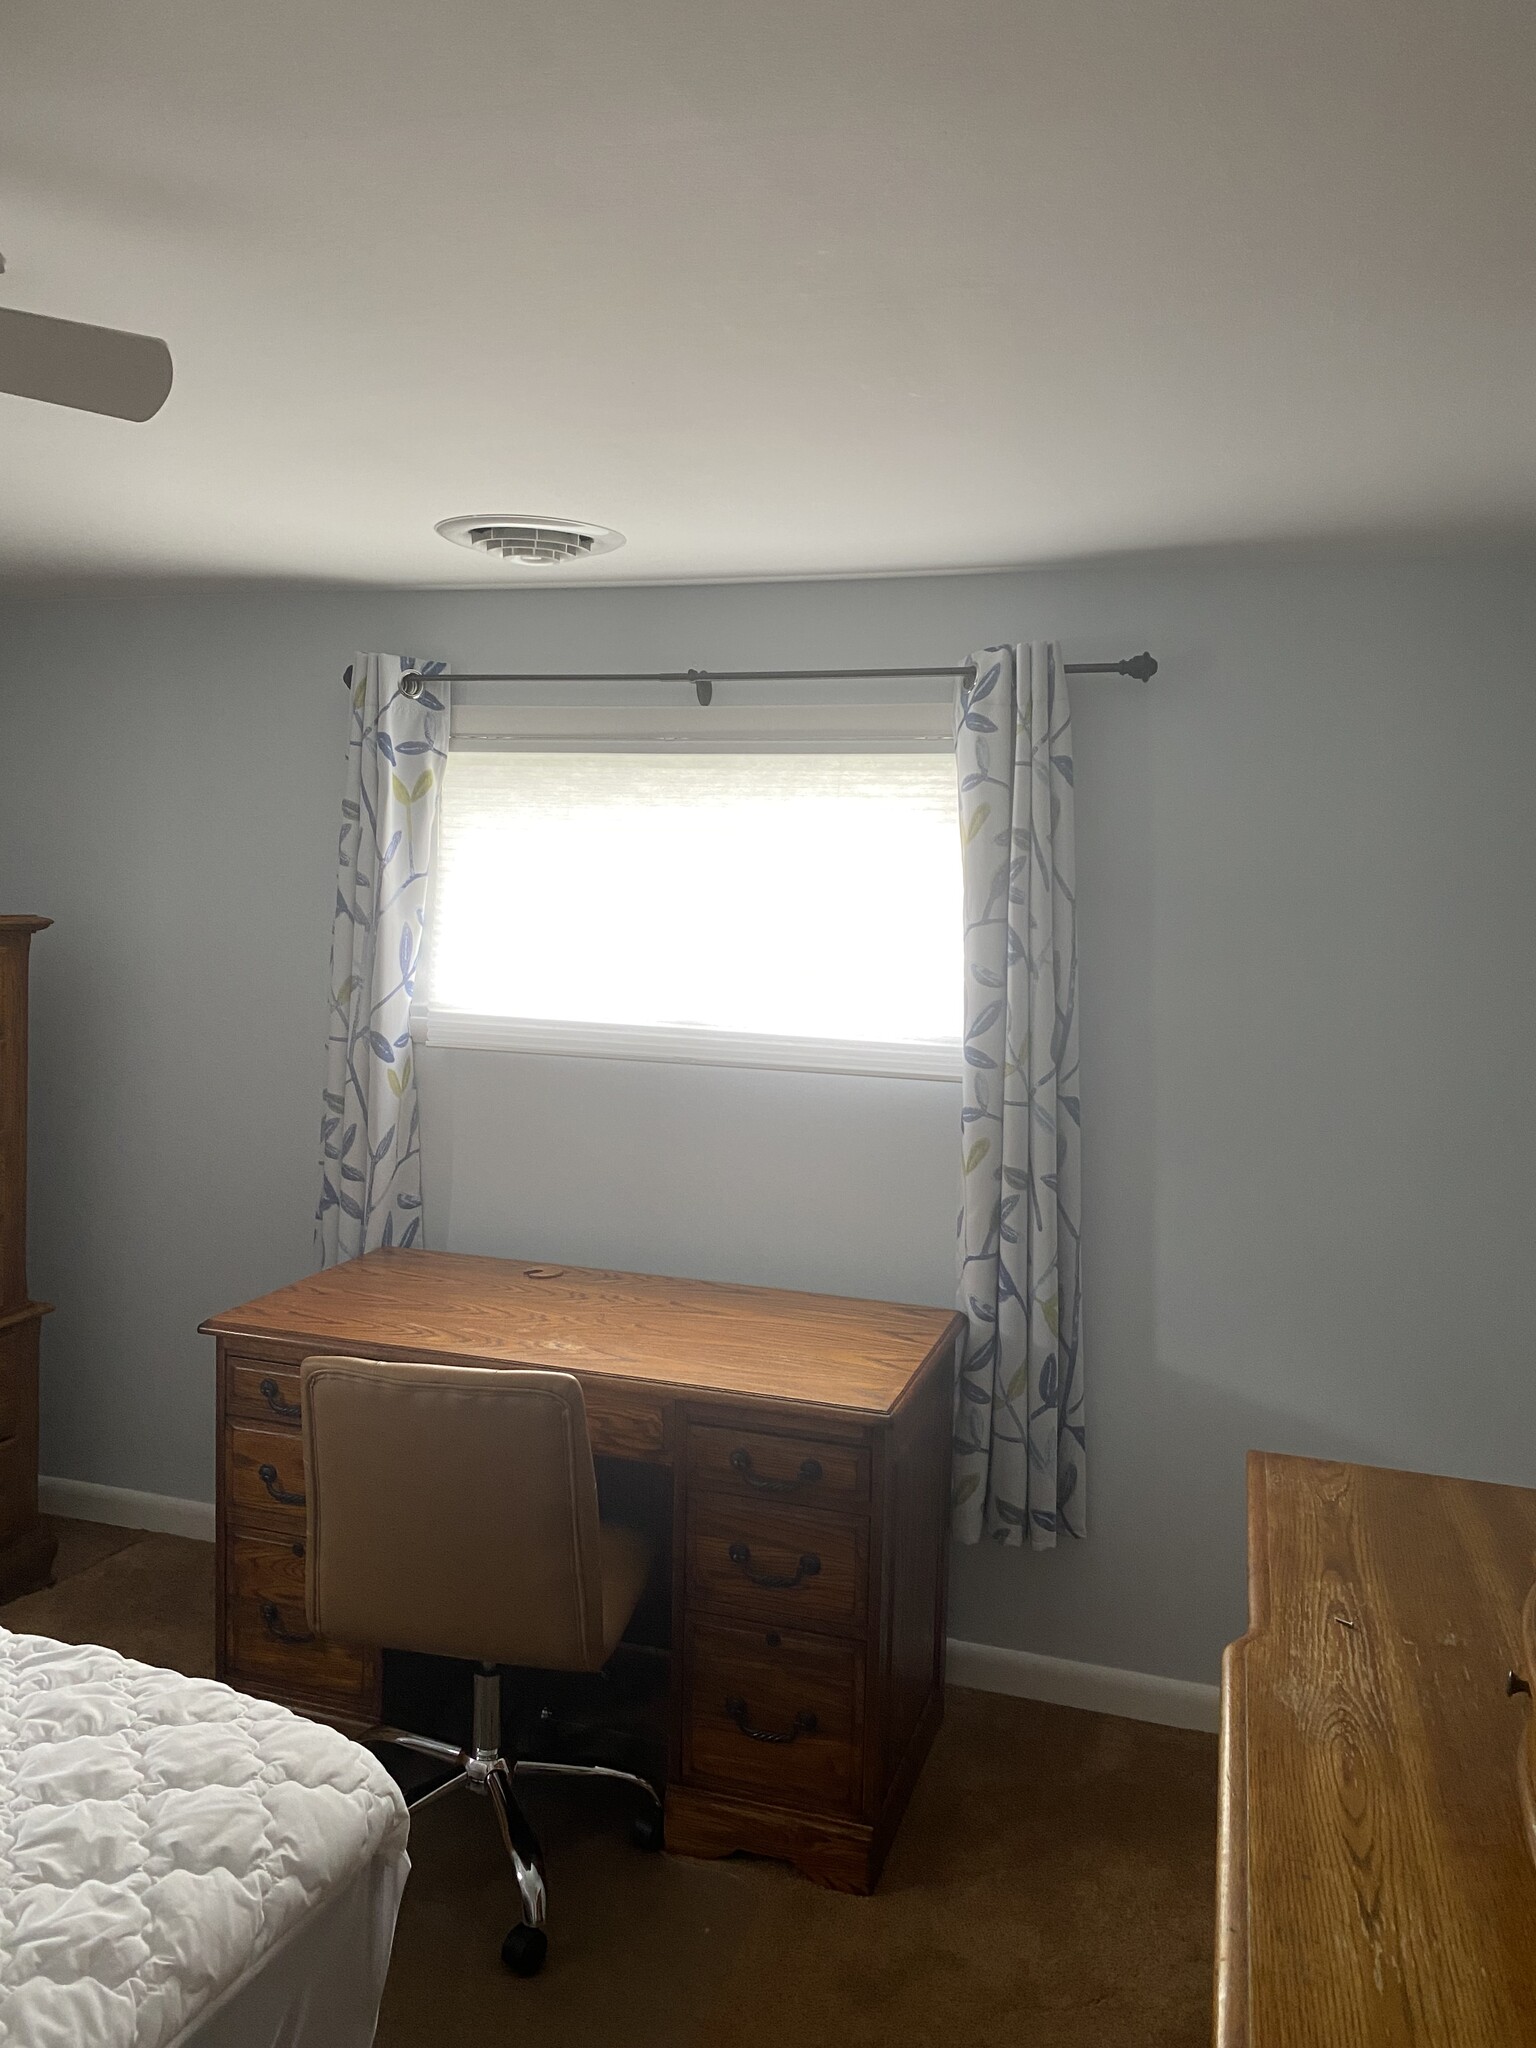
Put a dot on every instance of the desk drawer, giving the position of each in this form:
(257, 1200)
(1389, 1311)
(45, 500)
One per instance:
(267, 1637)
(269, 1394)
(773, 1714)
(801, 1471)
(265, 1477)
(625, 1424)
(776, 1564)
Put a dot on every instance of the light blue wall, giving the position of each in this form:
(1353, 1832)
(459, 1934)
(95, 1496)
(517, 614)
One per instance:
(1305, 864)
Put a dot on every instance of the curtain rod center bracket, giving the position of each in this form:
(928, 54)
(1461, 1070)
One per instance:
(702, 684)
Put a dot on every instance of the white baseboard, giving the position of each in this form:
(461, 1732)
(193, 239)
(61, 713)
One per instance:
(1060, 1681)
(1097, 1688)
(81, 1500)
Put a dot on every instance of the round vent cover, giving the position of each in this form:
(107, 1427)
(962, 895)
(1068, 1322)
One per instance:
(532, 538)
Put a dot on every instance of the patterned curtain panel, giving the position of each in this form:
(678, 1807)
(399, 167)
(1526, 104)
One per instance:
(370, 1130)
(1019, 1399)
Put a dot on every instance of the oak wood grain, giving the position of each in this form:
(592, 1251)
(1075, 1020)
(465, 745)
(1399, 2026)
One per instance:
(916, 1576)
(1376, 1886)
(843, 1855)
(626, 1422)
(266, 1478)
(1231, 1989)
(262, 1393)
(780, 1565)
(758, 1464)
(1521, 1680)
(855, 1357)
(802, 1691)
(18, 1379)
(269, 1638)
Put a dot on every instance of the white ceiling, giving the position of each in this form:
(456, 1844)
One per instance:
(775, 286)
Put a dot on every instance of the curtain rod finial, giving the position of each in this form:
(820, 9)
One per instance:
(1141, 668)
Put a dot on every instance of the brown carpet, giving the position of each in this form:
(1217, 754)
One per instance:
(1052, 1883)
(150, 1597)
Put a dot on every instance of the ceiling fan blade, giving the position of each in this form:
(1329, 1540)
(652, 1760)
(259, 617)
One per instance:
(94, 369)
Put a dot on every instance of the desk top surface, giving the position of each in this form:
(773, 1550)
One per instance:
(1376, 1882)
(752, 1343)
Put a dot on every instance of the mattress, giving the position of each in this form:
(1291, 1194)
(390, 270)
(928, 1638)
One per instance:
(183, 1867)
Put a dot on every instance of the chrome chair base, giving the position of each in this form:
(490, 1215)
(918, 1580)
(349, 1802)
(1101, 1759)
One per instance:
(484, 1770)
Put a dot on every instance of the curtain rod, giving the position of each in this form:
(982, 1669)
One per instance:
(1141, 668)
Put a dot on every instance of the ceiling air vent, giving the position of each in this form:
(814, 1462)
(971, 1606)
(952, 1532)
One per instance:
(531, 538)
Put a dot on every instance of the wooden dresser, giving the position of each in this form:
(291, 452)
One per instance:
(26, 1549)
(808, 1443)
(1375, 1884)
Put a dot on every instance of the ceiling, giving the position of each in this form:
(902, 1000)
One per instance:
(776, 287)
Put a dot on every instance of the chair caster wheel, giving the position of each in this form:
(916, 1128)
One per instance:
(647, 1830)
(524, 1950)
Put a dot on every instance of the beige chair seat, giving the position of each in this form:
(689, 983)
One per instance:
(625, 1562)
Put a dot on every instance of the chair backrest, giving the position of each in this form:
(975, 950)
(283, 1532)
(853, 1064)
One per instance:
(452, 1509)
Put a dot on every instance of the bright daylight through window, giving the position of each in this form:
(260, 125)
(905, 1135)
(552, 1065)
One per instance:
(790, 897)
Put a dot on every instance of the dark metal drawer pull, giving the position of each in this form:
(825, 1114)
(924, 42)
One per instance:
(267, 1474)
(809, 1473)
(807, 1568)
(804, 1724)
(272, 1394)
(272, 1622)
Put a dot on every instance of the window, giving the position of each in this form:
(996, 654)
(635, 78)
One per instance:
(766, 889)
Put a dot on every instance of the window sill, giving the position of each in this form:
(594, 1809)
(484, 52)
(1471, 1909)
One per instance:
(680, 1045)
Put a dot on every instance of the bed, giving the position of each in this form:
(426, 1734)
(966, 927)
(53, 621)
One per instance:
(184, 1867)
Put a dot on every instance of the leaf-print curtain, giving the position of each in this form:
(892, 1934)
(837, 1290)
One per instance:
(370, 1128)
(1019, 1396)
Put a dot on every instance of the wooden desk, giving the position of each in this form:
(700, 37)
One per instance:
(1375, 1882)
(809, 1443)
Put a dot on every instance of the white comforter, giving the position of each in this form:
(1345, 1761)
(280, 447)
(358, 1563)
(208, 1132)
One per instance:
(158, 1835)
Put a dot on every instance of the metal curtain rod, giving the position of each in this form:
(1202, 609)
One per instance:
(1141, 668)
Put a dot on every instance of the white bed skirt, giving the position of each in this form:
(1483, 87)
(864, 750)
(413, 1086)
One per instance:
(182, 1866)
(320, 1986)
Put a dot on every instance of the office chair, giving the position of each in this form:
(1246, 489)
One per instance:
(453, 1510)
